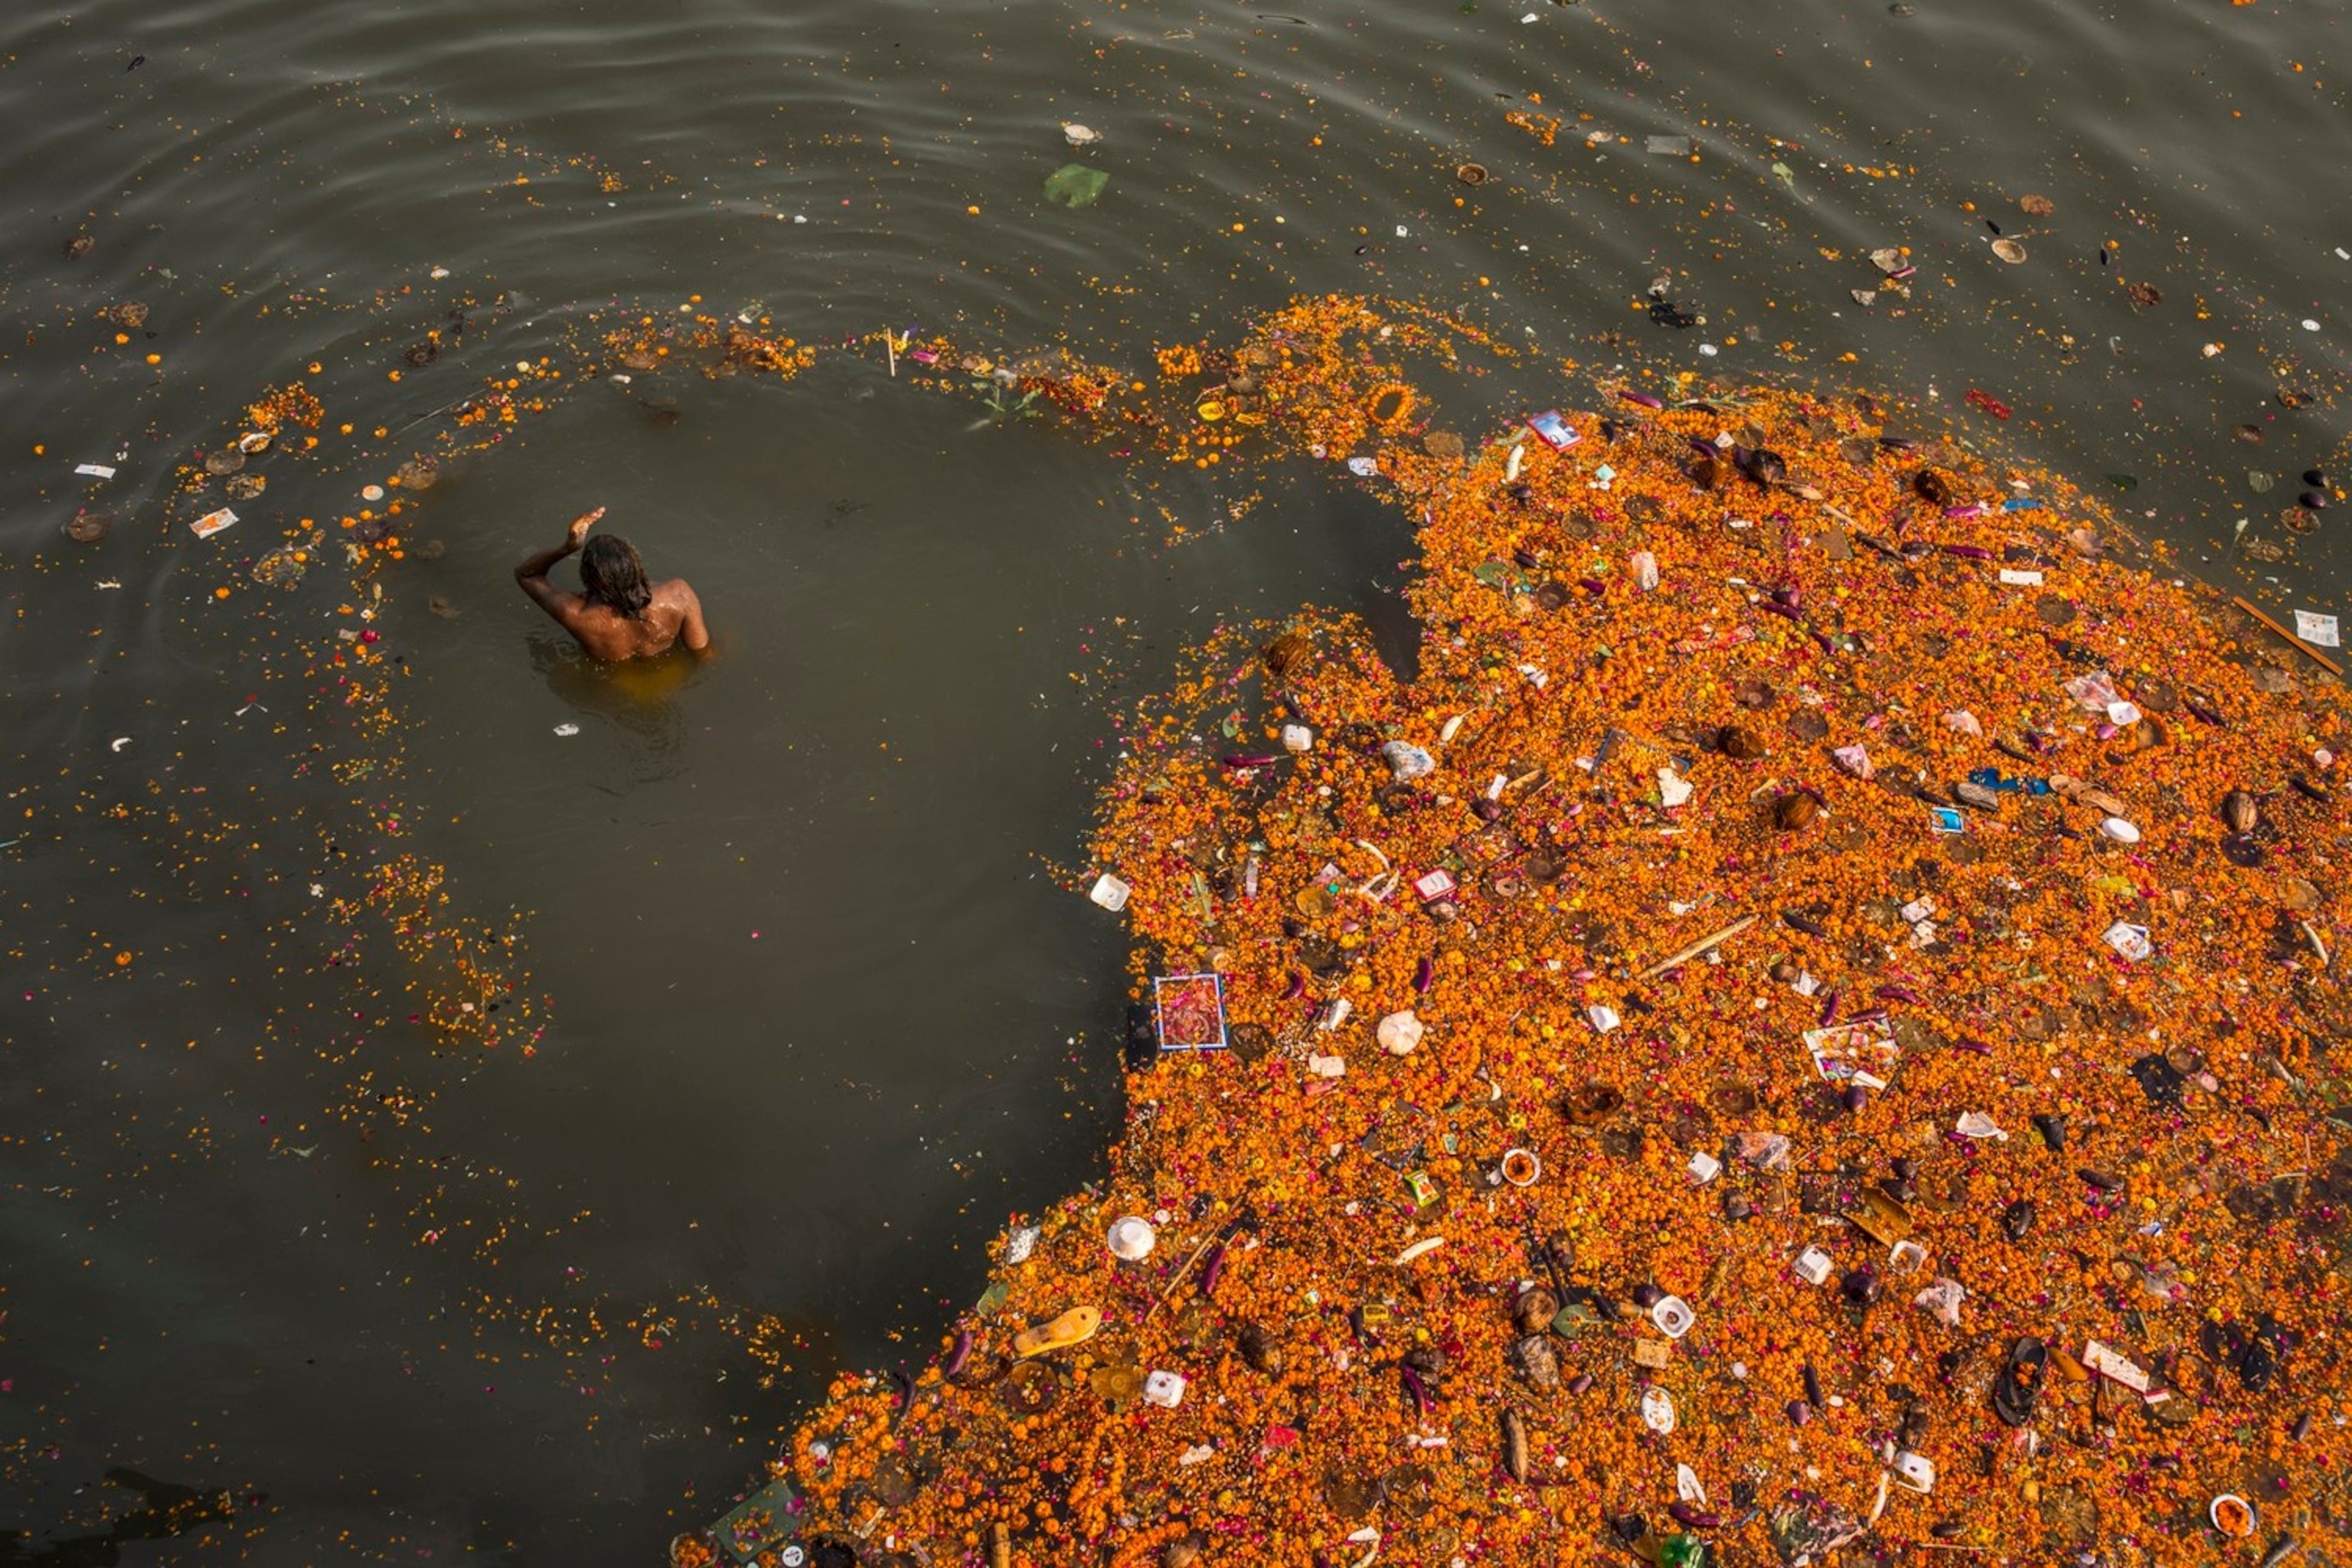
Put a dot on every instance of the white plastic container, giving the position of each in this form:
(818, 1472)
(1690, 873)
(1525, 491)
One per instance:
(1132, 1238)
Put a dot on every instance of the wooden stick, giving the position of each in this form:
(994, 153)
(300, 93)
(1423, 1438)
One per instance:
(1171, 1290)
(890, 344)
(2327, 663)
(1701, 945)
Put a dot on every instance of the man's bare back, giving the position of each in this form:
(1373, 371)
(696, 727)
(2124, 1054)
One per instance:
(621, 615)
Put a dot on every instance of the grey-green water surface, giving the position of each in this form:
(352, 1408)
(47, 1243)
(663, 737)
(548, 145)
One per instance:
(817, 1015)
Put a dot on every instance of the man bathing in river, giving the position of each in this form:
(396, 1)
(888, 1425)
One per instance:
(618, 615)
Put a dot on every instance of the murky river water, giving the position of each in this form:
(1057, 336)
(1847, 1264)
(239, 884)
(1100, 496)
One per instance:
(800, 1010)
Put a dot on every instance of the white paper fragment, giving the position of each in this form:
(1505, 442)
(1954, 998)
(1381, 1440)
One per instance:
(212, 522)
(1604, 1018)
(2107, 1363)
(2130, 940)
(2317, 630)
(2018, 579)
(94, 470)
(1977, 1124)
(1673, 788)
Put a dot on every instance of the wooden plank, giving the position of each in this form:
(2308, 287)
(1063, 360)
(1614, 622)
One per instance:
(2327, 663)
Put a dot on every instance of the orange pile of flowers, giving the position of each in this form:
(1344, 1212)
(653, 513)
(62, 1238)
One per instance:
(1805, 1030)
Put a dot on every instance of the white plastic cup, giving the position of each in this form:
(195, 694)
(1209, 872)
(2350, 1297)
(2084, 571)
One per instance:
(1132, 1238)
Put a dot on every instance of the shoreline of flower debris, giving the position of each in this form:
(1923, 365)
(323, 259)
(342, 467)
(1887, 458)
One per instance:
(1804, 1027)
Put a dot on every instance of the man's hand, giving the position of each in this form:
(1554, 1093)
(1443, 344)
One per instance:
(577, 535)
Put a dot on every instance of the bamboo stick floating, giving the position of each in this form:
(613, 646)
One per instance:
(1701, 945)
(2327, 663)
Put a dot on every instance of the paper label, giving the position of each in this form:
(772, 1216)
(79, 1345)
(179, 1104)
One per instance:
(2107, 1363)
(2317, 630)
(212, 522)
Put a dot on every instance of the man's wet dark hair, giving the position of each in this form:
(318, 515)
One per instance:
(613, 575)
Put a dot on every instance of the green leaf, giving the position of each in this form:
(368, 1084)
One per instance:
(2123, 482)
(1075, 185)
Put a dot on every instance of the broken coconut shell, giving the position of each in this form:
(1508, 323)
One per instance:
(2239, 810)
(1792, 812)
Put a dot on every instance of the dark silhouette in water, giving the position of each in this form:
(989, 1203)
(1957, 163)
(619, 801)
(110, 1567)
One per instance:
(167, 1510)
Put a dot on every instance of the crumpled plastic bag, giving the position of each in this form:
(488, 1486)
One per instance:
(1075, 185)
(2096, 691)
(1943, 1299)
(1808, 1528)
(1407, 761)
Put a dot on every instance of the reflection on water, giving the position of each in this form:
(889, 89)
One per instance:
(644, 699)
(165, 1509)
